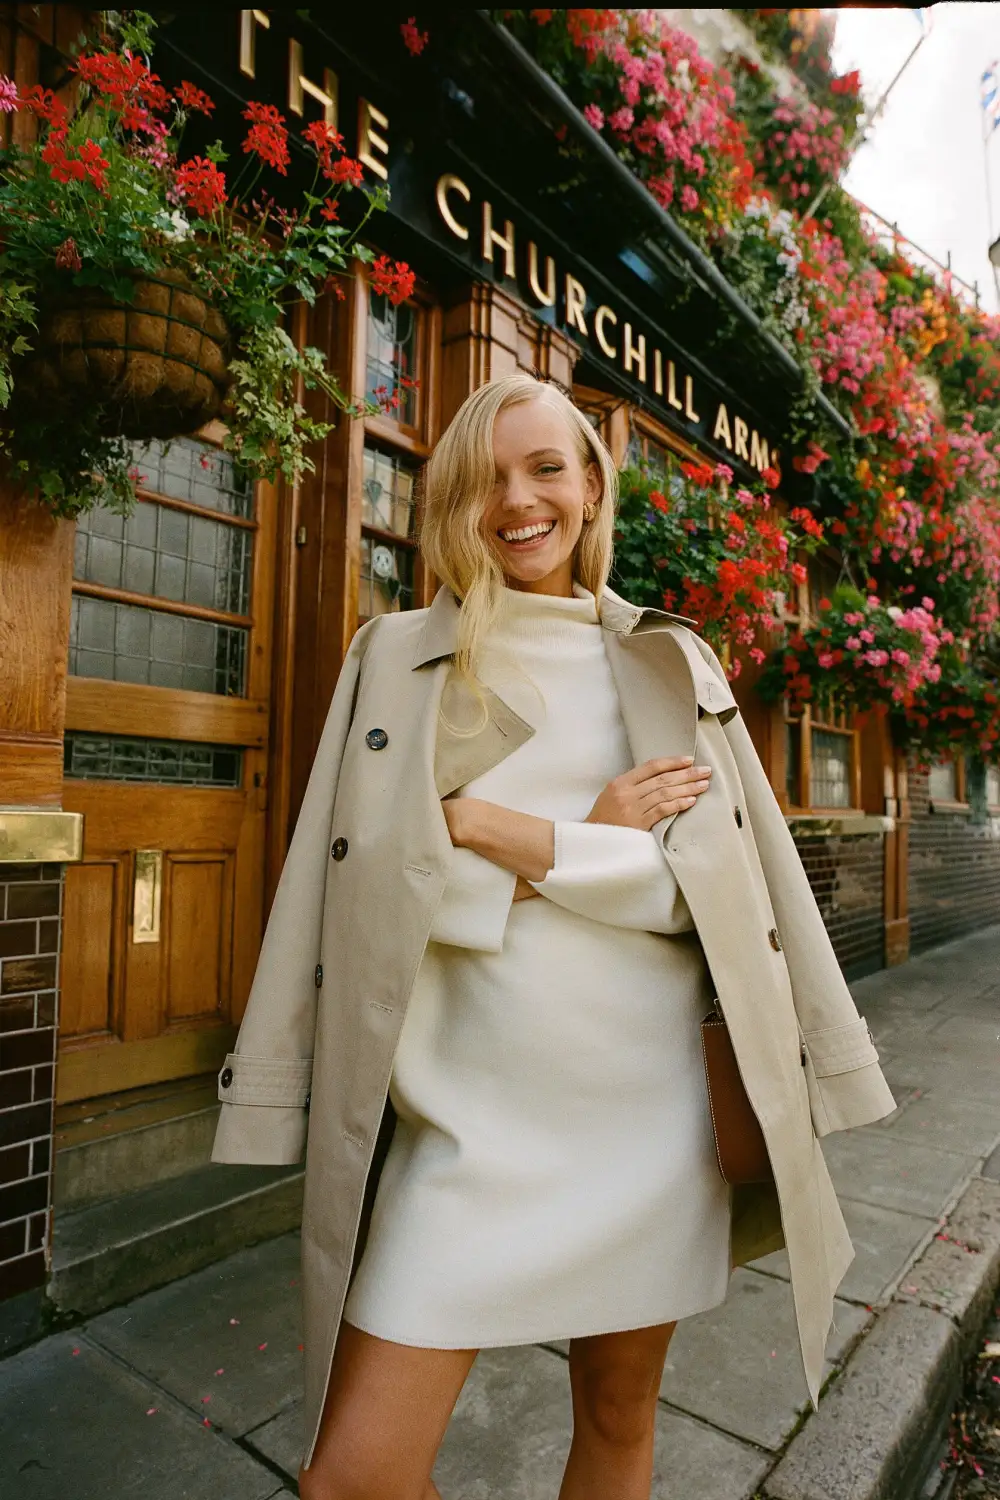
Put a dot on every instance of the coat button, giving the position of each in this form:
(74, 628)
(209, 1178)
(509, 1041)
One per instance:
(339, 849)
(376, 739)
(738, 816)
(318, 976)
(226, 1077)
(774, 939)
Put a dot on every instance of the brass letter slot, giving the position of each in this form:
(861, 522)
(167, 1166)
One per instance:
(146, 896)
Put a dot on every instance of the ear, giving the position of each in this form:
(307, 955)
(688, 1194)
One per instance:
(593, 482)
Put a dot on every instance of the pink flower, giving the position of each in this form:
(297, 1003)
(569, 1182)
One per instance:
(757, 655)
(725, 473)
(594, 115)
(877, 658)
(825, 658)
(928, 604)
(868, 636)
(8, 96)
(853, 642)
(689, 198)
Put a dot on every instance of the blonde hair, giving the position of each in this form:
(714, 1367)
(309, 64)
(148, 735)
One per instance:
(458, 485)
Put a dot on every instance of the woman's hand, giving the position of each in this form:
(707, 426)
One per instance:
(654, 790)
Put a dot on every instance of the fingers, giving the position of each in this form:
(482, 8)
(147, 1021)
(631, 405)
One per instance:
(662, 789)
(651, 815)
(658, 767)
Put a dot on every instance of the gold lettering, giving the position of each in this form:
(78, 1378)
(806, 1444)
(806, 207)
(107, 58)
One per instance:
(672, 386)
(689, 410)
(602, 314)
(775, 464)
(576, 301)
(742, 432)
(449, 183)
(369, 141)
(721, 429)
(505, 240)
(758, 451)
(299, 85)
(548, 297)
(638, 353)
(658, 372)
(249, 21)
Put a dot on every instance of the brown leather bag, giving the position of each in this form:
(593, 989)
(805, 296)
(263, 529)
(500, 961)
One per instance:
(739, 1140)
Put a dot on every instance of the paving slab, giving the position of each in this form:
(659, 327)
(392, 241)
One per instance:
(872, 1166)
(511, 1432)
(183, 1335)
(738, 1366)
(77, 1427)
(879, 1424)
(948, 1121)
(885, 1243)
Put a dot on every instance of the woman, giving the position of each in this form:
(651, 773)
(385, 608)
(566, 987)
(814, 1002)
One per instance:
(536, 844)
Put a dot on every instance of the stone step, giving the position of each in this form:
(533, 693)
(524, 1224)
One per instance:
(129, 1142)
(106, 1253)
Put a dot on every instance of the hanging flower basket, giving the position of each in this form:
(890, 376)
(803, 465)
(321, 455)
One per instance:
(155, 366)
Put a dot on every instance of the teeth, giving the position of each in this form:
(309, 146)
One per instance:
(523, 533)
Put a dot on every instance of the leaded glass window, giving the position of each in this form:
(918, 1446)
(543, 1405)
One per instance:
(119, 757)
(388, 493)
(386, 578)
(942, 782)
(190, 543)
(392, 354)
(830, 768)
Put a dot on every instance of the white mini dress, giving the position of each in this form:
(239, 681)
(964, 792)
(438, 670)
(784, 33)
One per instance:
(552, 1173)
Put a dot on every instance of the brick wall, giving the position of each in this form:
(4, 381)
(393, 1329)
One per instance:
(954, 867)
(30, 900)
(846, 878)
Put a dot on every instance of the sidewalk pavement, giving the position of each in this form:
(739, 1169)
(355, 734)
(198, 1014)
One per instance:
(193, 1391)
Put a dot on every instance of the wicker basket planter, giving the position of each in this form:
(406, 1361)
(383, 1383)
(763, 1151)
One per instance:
(156, 366)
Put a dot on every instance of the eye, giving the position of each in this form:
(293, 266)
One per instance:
(549, 468)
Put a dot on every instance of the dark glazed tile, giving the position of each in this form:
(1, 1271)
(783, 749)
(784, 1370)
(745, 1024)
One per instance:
(36, 1231)
(15, 1088)
(21, 1275)
(12, 1241)
(24, 1051)
(15, 1163)
(48, 935)
(25, 1124)
(17, 1014)
(46, 1008)
(41, 900)
(19, 939)
(19, 975)
(23, 1198)
(41, 1152)
(43, 1082)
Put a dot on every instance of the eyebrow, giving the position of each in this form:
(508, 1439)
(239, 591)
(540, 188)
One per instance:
(537, 452)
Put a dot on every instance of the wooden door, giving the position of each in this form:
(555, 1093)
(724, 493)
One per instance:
(166, 756)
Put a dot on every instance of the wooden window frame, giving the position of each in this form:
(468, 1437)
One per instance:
(811, 719)
(960, 802)
(403, 440)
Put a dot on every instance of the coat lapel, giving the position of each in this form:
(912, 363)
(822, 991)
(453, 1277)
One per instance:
(664, 684)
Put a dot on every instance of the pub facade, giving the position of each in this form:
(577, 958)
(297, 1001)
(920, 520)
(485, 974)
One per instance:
(173, 669)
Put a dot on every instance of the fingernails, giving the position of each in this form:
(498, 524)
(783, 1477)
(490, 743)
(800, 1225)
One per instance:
(690, 801)
(687, 760)
(704, 770)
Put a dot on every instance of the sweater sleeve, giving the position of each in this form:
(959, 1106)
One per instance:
(615, 875)
(474, 908)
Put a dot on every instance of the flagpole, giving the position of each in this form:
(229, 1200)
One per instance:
(988, 132)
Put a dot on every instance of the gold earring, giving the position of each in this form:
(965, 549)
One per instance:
(589, 510)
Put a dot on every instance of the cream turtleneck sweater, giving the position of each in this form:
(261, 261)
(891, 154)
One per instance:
(552, 1172)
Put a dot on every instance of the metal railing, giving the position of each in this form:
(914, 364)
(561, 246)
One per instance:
(891, 237)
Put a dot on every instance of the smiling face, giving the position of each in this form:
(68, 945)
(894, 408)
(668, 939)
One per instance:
(534, 517)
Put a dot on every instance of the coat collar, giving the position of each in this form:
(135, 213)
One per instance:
(439, 638)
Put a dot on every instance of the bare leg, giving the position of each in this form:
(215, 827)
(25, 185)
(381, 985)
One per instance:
(386, 1411)
(615, 1378)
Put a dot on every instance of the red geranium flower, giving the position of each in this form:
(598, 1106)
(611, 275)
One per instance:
(393, 281)
(346, 170)
(415, 40)
(202, 184)
(190, 97)
(267, 136)
(329, 210)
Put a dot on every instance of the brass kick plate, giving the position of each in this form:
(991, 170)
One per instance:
(146, 895)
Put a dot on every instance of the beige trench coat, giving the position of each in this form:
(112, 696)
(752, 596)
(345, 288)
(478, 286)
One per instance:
(350, 921)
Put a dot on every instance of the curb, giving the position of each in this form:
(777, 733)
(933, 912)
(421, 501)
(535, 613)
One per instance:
(880, 1424)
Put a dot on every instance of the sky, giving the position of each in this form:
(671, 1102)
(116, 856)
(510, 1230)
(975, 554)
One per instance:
(922, 166)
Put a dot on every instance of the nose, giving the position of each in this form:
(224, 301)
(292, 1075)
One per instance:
(517, 495)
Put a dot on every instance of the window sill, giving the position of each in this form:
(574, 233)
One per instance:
(937, 806)
(837, 824)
